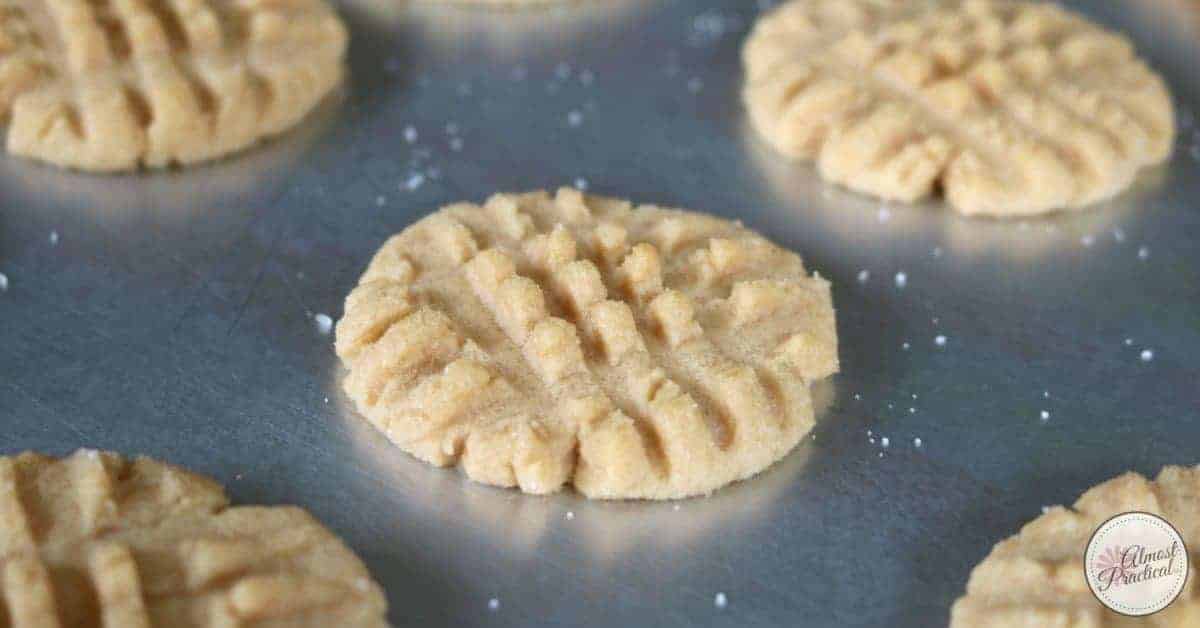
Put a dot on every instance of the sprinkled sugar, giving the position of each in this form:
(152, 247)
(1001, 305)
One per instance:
(415, 181)
(324, 323)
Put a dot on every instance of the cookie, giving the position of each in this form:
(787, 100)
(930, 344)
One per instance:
(632, 352)
(118, 84)
(1036, 578)
(1005, 108)
(96, 539)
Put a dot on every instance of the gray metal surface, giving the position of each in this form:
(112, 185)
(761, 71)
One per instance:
(173, 318)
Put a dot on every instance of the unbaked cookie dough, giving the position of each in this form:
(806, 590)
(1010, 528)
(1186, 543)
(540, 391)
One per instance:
(1036, 578)
(1005, 108)
(119, 84)
(95, 539)
(634, 352)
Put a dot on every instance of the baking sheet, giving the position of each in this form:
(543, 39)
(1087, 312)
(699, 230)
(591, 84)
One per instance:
(173, 316)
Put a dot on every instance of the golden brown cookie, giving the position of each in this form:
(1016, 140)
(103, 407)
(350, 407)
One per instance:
(98, 540)
(633, 352)
(117, 84)
(1036, 578)
(1006, 108)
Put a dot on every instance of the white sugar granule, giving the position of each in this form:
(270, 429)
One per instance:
(53, 237)
(917, 442)
(720, 601)
(1144, 253)
(324, 323)
(901, 279)
(581, 184)
(885, 442)
(415, 181)
(864, 275)
(940, 341)
(410, 134)
(1147, 355)
(494, 604)
(574, 118)
(1044, 416)
(3, 282)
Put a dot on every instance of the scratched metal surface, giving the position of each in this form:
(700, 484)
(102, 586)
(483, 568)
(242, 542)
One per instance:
(173, 318)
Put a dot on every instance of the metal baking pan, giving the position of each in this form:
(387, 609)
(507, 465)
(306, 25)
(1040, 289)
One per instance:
(173, 315)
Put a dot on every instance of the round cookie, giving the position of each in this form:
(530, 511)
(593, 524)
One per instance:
(633, 352)
(96, 539)
(1036, 578)
(1005, 108)
(119, 84)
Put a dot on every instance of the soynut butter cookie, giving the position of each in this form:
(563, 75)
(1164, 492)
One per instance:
(119, 84)
(634, 352)
(1037, 578)
(1005, 108)
(96, 539)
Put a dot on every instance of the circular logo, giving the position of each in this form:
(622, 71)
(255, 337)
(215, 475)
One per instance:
(1136, 563)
